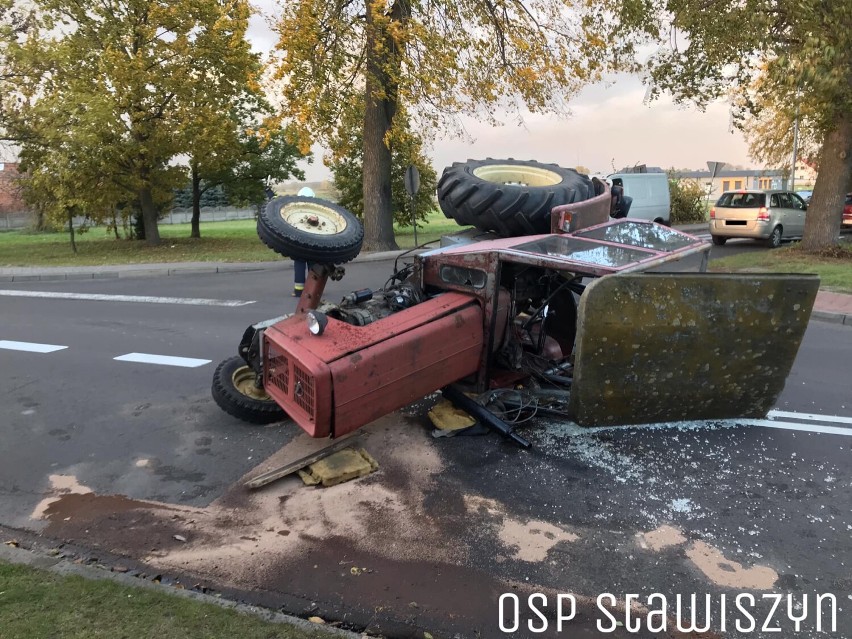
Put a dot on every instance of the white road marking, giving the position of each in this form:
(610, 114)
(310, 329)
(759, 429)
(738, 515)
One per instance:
(768, 423)
(164, 360)
(31, 347)
(193, 301)
(812, 417)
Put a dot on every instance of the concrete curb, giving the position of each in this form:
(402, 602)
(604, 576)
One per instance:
(63, 567)
(833, 318)
(61, 273)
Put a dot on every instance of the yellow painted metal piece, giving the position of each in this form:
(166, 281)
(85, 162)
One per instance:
(445, 416)
(243, 380)
(678, 346)
(342, 466)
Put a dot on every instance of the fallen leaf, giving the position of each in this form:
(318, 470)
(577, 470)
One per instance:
(180, 537)
(316, 619)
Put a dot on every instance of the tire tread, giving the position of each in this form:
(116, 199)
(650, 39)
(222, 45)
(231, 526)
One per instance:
(507, 209)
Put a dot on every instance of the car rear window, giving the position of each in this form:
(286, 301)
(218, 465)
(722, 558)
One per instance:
(742, 200)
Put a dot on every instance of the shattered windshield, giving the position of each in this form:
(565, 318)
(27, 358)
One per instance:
(649, 236)
(584, 251)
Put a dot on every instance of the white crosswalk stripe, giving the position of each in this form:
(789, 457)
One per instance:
(813, 417)
(163, 360)
(31, 347)
(192, 301)
(776, 419)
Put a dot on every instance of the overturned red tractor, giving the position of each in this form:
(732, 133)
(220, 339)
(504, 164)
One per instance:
(551, 293)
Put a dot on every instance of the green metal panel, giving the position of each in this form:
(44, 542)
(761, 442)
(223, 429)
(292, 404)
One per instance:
(684, 346)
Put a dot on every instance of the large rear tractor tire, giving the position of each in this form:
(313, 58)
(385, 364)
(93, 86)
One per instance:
(310, 229)
(235, 392)
(509, 197)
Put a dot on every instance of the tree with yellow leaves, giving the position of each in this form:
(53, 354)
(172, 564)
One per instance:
(774, 57)
(113, 92)
(437, 58)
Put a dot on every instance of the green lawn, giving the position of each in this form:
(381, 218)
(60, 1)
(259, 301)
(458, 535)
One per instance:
(234, 241)
(835, 271)
(35, 604)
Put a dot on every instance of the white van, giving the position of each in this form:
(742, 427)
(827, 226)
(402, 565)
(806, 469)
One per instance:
(650, 193)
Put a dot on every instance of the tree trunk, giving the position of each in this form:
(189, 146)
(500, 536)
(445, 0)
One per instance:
(822, 225)
(71, 228)
(149, 216)
(379, 109)
(196, 203)
(40, 224)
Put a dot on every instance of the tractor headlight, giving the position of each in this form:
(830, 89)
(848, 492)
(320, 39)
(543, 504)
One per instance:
(316, 322)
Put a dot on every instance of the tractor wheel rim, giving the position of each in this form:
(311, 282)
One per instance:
(313, 218)
(517, 174)
(243, 380)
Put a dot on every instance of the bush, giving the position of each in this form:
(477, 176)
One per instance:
(346, 161)
(688, 201)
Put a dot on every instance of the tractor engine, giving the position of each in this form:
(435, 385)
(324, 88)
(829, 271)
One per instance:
(364, 307)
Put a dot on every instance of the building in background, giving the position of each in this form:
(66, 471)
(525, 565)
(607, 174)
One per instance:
(14, 212)
(735, 179)
(10, 192)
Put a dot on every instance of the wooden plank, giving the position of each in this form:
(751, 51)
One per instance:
(292, 467)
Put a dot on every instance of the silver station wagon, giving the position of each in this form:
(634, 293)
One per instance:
(770, 216)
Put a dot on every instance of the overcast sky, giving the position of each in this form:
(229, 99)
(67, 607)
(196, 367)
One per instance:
(610, 126)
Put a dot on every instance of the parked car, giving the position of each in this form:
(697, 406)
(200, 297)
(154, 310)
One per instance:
(770, 216)
(649, 192)
(847, 212)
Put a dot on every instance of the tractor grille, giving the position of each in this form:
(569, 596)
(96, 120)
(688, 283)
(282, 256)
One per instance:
(297, 380)
(278, 365)
(303, 389)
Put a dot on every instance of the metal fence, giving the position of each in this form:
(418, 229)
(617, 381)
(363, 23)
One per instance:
(209, 214)
(15, 220)
(9, 221)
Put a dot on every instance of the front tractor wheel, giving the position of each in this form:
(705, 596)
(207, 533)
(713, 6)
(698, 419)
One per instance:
(310, 229)
(235, 392)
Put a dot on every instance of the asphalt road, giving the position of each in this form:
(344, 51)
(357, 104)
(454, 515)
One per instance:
(430, 541)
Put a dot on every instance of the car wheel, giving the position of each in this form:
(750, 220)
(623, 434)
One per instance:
(310, 229)
(509, 197)
(235, 392)
(719, 241)
(774, 239)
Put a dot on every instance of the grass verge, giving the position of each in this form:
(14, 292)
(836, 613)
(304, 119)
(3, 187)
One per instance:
(236, 241)
(233, 241)
(36, 603)
(833, 267)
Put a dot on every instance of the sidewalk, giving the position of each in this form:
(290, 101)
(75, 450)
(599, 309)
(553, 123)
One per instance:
(112, 271)
(829, 307)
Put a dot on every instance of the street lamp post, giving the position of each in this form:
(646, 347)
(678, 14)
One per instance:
(795, 148)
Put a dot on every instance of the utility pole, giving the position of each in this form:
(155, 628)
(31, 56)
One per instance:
(412, 186)
(714, 167)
